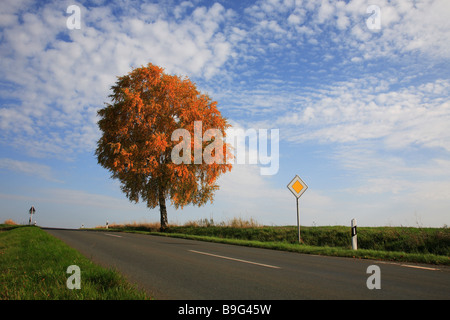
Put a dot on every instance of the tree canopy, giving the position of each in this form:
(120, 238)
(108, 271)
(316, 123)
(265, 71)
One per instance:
(152, 119)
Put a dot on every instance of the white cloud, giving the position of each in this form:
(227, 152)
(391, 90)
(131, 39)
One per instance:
(295, 19)
(65, 75)
(398, 190)
(406, 28)
(29, 168)
(325, 12)
(354, 111)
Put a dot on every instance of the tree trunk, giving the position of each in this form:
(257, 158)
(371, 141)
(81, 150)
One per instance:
(162, 210)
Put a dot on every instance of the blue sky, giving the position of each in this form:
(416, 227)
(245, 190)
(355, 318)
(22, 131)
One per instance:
(363, 113)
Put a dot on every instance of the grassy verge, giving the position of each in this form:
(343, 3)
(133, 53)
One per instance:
(323, 250)
(406, 244)
(33, 266)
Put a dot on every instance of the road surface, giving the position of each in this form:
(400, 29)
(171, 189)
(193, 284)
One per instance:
(179, 269)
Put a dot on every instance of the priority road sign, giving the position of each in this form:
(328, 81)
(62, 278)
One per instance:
(297, 186)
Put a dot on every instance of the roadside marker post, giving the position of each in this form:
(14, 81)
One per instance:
(354, 235)
(297, 187)
(31, 211)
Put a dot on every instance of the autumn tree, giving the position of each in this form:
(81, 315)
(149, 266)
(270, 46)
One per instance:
(152, 134)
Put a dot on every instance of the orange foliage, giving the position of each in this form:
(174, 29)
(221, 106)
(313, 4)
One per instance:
(147, 106)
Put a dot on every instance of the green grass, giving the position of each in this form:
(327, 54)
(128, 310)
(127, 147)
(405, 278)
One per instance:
(403, 239)
(323, 250)
(406, 244)
(33, 266)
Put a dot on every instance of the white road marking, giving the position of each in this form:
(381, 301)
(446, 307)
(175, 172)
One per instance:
(112, 235)
(408, 265)
(418, 267)
(234, 259)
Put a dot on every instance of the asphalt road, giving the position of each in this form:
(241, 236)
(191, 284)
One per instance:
(179, 269)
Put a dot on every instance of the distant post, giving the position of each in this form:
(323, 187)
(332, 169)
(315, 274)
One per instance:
(31, 211)
(297, 187)
(354, 236)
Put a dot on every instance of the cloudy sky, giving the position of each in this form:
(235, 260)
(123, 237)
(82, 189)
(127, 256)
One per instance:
(359, 91)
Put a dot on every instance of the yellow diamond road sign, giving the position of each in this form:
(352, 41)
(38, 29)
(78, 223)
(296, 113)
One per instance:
(297, 186)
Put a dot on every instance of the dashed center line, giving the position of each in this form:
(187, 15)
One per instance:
(112, 235)
(418, 267)
(234, 259)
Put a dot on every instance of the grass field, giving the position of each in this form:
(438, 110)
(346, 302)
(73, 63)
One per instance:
(33, 266)
(423, 245)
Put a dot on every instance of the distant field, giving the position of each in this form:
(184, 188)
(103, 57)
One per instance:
(428, 245)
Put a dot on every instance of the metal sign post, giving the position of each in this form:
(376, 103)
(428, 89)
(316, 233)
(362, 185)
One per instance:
(298, 223)
(297, 187)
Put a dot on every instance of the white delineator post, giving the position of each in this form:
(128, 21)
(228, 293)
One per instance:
(354, 236)
(31, 211)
